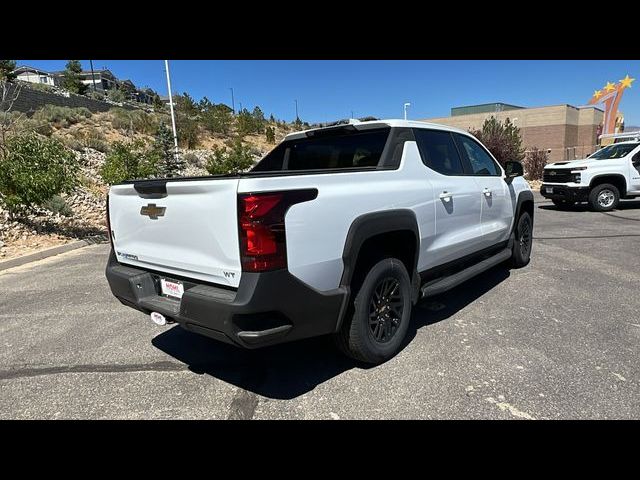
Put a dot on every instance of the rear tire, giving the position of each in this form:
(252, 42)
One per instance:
(521, 250)
(563, 204)
(603, 198)
(381, 314)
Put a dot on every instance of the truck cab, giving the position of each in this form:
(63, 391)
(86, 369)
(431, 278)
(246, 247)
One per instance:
(602, 179)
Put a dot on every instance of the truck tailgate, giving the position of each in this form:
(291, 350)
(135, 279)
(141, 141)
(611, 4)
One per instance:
(191, 231)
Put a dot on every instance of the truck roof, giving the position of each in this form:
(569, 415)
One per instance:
(377, 124)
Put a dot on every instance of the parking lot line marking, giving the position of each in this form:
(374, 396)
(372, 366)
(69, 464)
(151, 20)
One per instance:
(504, 406)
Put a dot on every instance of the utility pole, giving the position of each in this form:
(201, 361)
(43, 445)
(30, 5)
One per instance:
(296, 109)
(233, 103)
(239, 111)
(351, 113)
(173, 116)
(93, 78)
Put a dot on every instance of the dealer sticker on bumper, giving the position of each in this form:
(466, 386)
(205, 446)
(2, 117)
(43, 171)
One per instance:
(549, 189)
(173, 289)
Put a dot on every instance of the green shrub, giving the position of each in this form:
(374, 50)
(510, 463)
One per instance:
(93, 138)
(133, 121)
(128, 161)
(33, 170)
(60, 116)
(57, 204)
(19, 123)
(116, 95)
(224, 160)
(191, 159)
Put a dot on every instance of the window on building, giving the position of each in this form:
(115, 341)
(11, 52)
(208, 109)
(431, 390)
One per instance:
(438, 151)
(43, 79)
(479, 160)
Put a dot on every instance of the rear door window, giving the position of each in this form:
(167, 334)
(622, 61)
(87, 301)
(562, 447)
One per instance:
(342, 150)
(438, 151)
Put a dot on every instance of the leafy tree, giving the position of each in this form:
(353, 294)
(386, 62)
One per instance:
(297, 124)
(270, 133)
(71, 78)
(6, 70)
(224, 160)
(272, 119)
(502, 139)
(169, 164)
(534, 163)
(128, 161)
(33, 170)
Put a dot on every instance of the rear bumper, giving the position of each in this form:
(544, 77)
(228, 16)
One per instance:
(266, 309)
(563, 192)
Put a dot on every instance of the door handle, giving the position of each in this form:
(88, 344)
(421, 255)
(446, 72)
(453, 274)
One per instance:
(446, 196)
(487, 192)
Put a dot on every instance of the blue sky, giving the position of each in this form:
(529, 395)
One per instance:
(330, 90)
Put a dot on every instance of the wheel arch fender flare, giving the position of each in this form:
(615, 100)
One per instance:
(523, 196)
(369, 225)
(616, 176)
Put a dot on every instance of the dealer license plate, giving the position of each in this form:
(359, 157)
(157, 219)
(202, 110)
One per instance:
(171, 288)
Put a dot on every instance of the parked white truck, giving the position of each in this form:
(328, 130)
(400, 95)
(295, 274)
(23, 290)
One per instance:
(601, 179)
(338, 230)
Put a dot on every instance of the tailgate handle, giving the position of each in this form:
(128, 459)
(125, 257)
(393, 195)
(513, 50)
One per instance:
(151, 189)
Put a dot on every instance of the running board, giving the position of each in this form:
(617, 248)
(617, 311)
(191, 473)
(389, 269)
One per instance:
(442, 285)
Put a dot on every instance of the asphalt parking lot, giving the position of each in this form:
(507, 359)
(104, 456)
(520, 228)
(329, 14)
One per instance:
(558, 339)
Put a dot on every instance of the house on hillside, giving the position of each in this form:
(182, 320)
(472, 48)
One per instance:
(29, 74)
(104, 80)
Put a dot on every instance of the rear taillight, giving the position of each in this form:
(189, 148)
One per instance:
(262, 232)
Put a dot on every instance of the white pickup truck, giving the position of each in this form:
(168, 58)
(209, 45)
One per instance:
(601, 179)
(338, 230)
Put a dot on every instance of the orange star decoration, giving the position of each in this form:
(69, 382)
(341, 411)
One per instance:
(597, 94)
(609, 87)
(626, 82)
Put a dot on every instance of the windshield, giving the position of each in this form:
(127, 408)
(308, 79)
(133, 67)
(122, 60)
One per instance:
(617, 150)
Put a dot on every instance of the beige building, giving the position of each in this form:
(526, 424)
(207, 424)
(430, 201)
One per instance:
(565, 131)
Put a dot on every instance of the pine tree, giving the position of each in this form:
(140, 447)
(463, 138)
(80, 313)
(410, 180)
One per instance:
(270, 133)
(6, 70)
(71, 78)
(170, 165)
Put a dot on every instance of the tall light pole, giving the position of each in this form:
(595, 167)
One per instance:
(233, 103)
(93, 78)
(173, 115)
(405, 109)
(296, 109)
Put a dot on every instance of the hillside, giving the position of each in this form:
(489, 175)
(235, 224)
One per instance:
(90, 137)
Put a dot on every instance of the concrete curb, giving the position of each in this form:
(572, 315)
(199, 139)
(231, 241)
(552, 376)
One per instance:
(49, 252)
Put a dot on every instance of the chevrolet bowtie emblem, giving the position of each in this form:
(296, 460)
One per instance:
(152, 211)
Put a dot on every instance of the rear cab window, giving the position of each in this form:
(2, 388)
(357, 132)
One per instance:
(342, 149)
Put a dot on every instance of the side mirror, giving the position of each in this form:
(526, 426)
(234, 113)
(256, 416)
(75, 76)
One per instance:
(513, 169)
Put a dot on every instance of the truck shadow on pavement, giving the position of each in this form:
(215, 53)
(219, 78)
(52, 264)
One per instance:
(292, 369)
(584, 207)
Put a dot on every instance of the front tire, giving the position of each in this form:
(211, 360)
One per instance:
(381, 314)
(603, 198)
(521, 251)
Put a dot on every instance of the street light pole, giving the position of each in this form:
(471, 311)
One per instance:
(296, 109)
(173, 116)
(93, 78)
(233, 103)
(405, 109)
